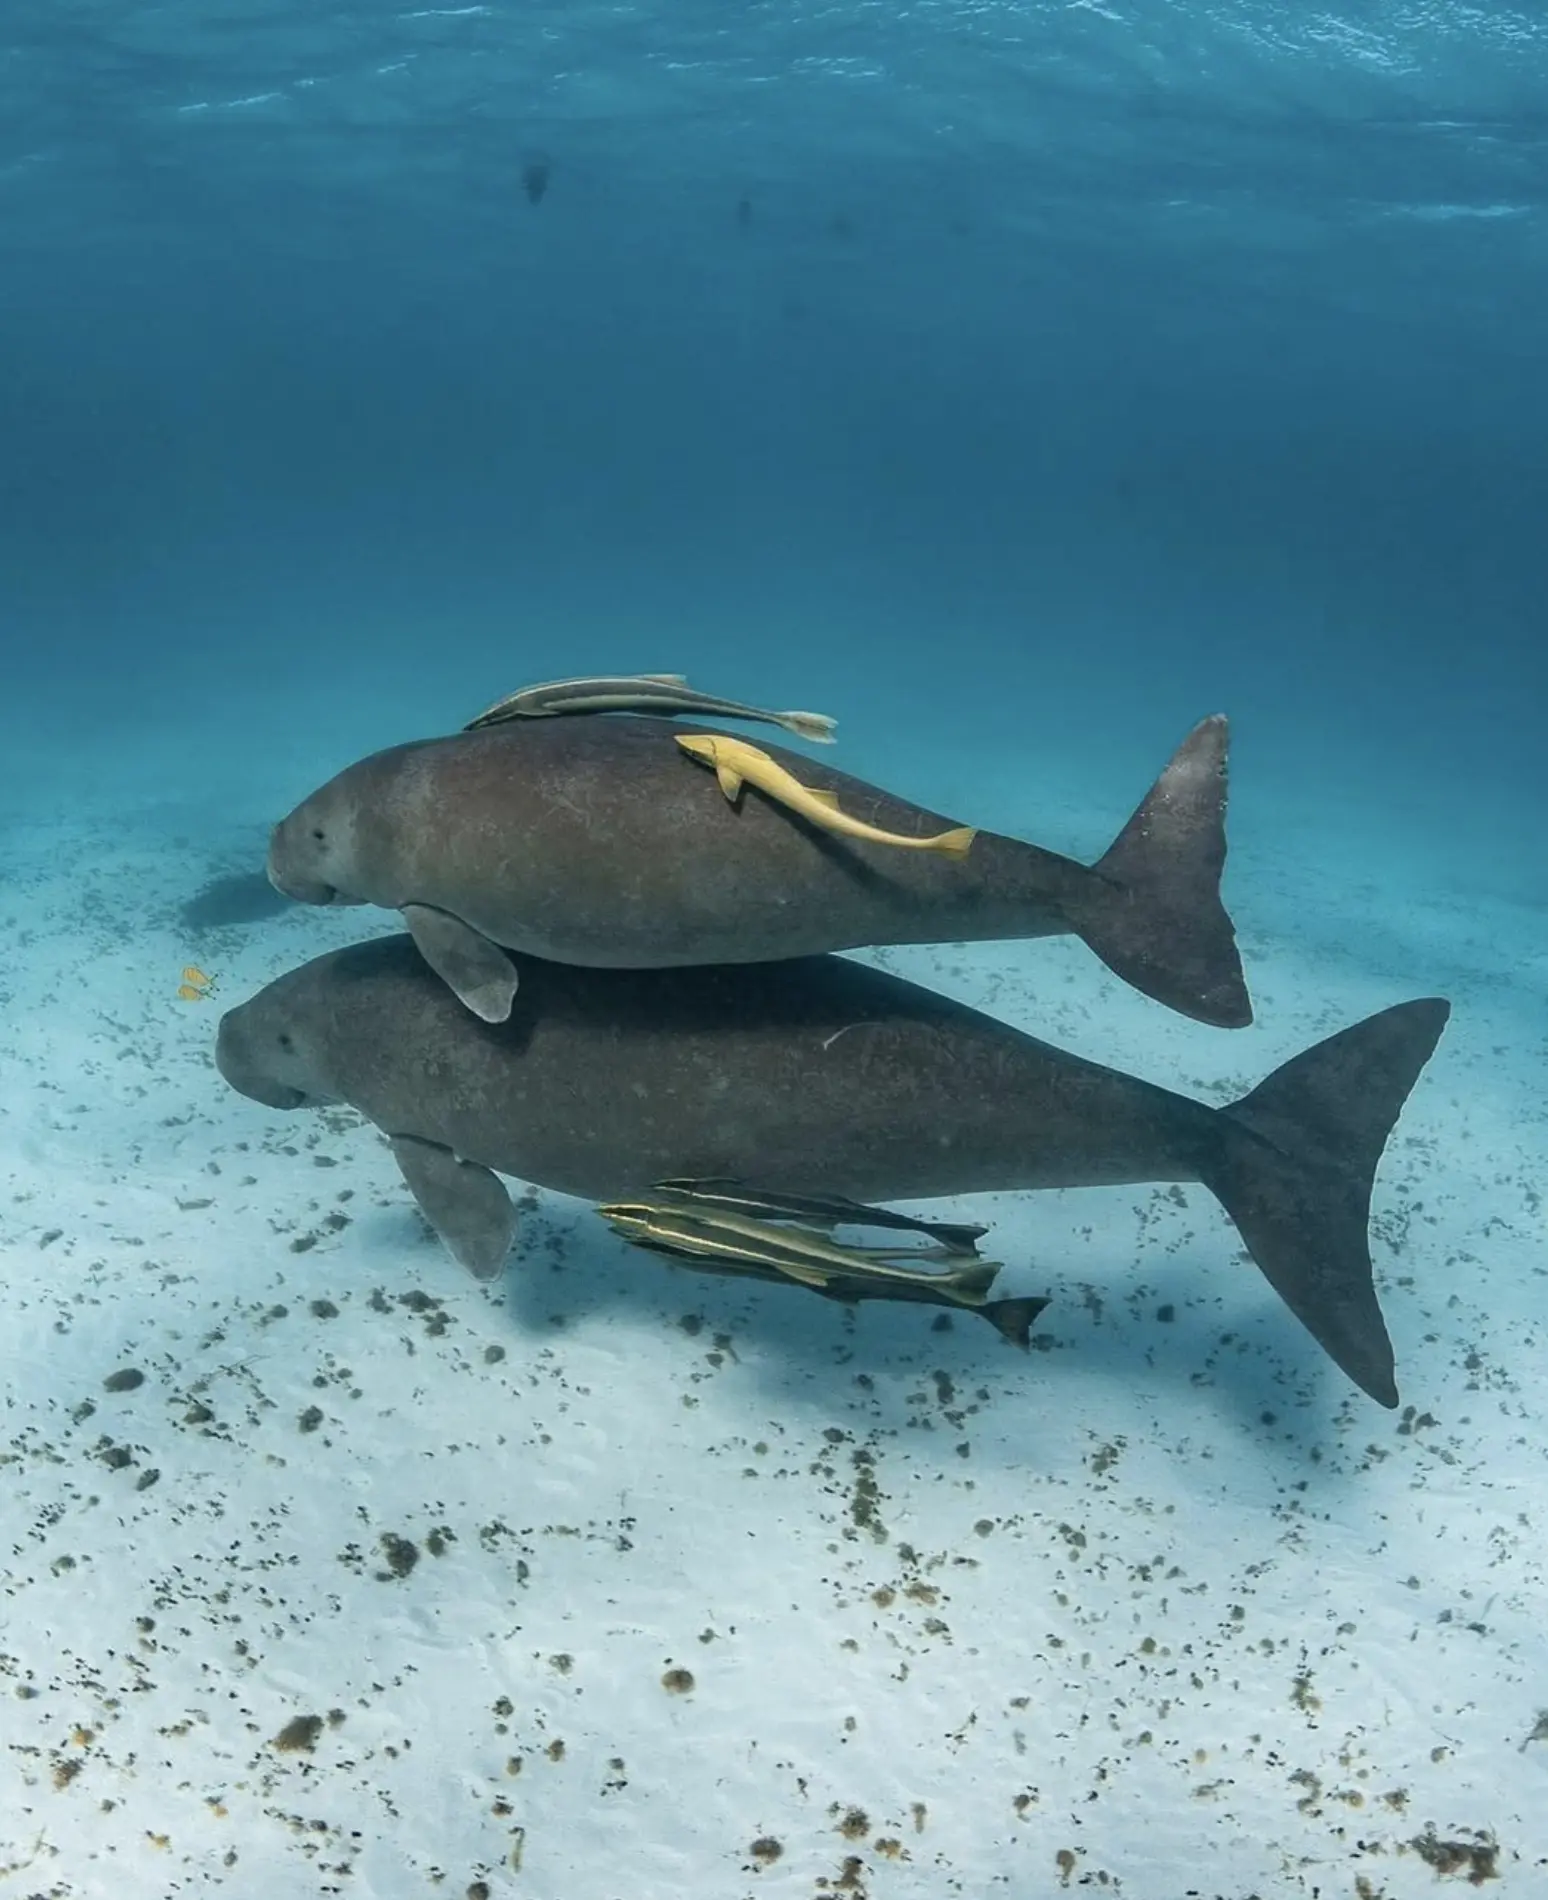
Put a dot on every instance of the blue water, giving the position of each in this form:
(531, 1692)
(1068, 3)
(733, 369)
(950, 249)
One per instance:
(1017, 382)
(1061, 373)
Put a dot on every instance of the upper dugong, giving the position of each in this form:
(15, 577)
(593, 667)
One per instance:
(598, 842)
(822, 1076)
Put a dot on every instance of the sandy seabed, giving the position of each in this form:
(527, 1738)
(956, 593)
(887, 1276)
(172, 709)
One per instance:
(329, 1571)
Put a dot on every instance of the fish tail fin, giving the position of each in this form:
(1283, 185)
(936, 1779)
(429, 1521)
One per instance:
(1296, 1167)
(956, 843)
(1151, 908)
(969, 1283)
(1014, 1319)
(809, 725)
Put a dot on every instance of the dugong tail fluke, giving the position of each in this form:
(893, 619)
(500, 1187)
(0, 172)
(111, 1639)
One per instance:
(1296, 1177)
(1151, 909)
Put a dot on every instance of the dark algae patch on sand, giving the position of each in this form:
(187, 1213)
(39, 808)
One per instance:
(401, 1554)
(299, 1735)
(1477, 1860)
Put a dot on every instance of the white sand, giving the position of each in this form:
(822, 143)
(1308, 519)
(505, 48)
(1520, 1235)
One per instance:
(1161, 1609)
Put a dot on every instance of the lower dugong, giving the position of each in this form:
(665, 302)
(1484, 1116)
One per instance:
(598, 842)
(822, 1076)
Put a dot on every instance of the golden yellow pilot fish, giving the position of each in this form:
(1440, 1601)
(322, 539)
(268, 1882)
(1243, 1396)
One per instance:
(735, 763)
(195, 986)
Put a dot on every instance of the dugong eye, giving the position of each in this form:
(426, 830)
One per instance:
(284, 1039)
(319, 834)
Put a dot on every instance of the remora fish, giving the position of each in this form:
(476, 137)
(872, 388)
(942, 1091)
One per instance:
(958, 1238)
(590, 841)
(664, 694)
(735, 763)
(704, 1233)
(824, 1078)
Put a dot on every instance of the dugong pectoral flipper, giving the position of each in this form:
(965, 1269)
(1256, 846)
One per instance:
(465, 1204)
(471, 967)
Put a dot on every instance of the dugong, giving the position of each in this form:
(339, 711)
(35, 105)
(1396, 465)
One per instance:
(598, 842)
(822, 1076)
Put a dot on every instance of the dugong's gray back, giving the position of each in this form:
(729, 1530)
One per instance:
(823, 1076)
(598, 842)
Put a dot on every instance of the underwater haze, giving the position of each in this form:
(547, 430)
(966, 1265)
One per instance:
(1019, 382)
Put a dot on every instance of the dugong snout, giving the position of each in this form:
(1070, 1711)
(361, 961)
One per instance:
(247, 1074)
(290, 878)
(310, 853)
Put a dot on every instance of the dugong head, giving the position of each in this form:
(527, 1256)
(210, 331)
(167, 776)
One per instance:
(272, 1050)
(312, 852)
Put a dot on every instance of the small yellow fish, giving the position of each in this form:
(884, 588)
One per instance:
(194, 975)
(735, 762)
(190, 993)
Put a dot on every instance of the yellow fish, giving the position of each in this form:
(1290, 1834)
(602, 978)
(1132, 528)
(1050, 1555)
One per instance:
(194, 975)
(735, 763)
(191, 993)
